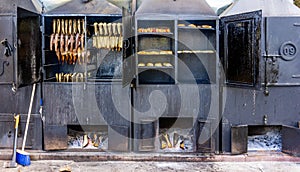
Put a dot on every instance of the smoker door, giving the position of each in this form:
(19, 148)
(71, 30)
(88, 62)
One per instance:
(240, 48)
(29, 48)
(128, 56)
(6, 49)
(282, 48)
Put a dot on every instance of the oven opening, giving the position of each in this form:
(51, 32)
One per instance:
(176, 134)
(264, 138)
(84, 137)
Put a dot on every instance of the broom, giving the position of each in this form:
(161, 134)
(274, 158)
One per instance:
(23, 157)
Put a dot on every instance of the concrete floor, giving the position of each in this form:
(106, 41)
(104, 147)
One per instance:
(130, 166)
(56, 161)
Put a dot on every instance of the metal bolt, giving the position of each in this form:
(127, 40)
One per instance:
(265, 119)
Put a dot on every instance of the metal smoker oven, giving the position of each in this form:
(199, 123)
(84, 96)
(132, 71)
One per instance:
(172, 61)
(259, 47)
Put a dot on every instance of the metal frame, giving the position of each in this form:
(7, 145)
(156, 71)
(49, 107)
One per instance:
(85, 19)
(256, 21)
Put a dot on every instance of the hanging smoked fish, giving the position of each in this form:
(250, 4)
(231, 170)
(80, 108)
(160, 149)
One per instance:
(83, 26)
(58, 26)
(67, 48)
(62, 48)
(74, 26)
(62, 26)
(77, 40)
(53, 34)
(71, 52)
(79, 26)
(70, 26)
(82, 41)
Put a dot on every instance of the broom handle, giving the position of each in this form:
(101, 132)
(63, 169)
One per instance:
(28, 116)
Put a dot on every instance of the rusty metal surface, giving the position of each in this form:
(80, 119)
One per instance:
(93, 7)
(55, 137)
(177, 7)
(291, 140)
(239, 139)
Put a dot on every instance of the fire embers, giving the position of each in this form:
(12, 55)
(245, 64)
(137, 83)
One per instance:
(89, 141)
(68, 40)
(176, 140)
(108, 36)
(70, 77)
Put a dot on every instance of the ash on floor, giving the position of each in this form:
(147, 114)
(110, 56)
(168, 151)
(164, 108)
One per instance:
(269, 141)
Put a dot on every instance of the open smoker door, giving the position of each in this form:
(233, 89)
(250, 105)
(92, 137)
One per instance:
(240, 48)
(128, 56)
(29, 52)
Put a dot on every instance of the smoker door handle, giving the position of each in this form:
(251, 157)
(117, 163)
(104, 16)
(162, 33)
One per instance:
(297, 24)
(296, 76)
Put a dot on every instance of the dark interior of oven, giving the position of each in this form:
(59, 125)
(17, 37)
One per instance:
(29, 51)
(155, 47)
(196, 51)
(184, 53)
(91, 62)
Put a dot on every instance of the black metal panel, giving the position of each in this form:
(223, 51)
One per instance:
(147, 134)
(283, 50)
(91, 104)
(55, 137)
(241, 36)
(239, 139)
(128, 56)
(248, 107)
(18, 102)
(118, 138)
(29, 48)
(34, 136)
(6, 49)
(205, 140)
(290, 140)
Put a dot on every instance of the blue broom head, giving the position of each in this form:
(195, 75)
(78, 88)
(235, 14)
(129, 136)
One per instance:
(22, 158)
